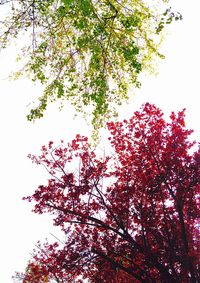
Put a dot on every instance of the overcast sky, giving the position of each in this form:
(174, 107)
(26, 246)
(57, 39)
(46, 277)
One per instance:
(177, 86)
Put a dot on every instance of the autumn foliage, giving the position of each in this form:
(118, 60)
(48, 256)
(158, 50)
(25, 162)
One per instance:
(127, 217)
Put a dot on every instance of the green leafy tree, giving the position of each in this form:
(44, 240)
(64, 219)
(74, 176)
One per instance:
(89, 52)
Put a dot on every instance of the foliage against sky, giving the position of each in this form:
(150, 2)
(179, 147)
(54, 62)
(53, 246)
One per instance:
(127, 217)
(89, 52)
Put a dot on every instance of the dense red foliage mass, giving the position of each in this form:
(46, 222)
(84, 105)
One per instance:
(128, 217)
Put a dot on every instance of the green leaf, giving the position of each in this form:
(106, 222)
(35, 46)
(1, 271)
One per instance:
(89, 52)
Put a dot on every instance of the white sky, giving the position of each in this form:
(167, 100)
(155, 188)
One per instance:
(176, 87)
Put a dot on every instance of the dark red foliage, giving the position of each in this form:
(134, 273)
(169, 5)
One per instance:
(128, 217)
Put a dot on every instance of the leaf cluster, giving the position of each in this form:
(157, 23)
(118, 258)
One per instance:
(129, 217)
(86, 51)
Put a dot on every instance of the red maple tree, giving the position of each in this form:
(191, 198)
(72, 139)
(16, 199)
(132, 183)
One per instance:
(128, 217)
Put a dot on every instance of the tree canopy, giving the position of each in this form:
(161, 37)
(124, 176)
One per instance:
(89, 52)
(130, 216)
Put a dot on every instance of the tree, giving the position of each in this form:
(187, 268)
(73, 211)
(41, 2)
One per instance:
(86, 51)
(128, 217)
